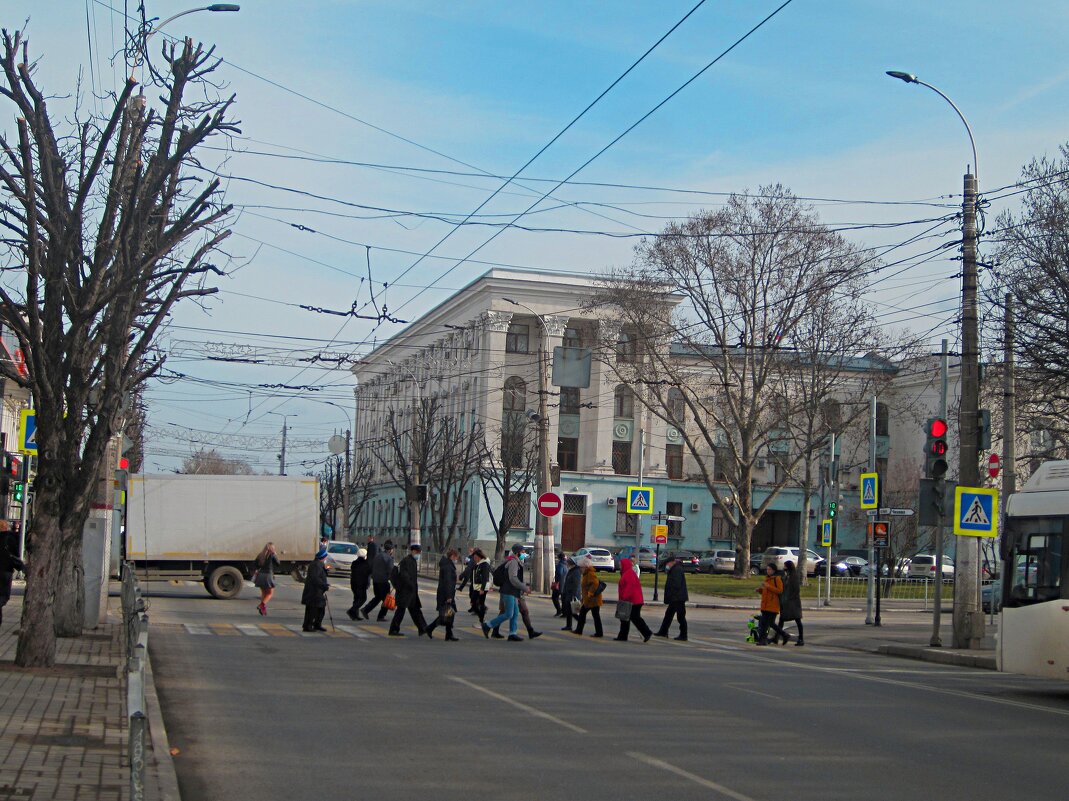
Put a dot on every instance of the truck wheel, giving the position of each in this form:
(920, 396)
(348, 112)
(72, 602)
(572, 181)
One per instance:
(225, 582)
(299, 573)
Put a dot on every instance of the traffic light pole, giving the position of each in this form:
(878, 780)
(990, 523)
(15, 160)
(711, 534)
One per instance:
(872, 551)
(939, 487)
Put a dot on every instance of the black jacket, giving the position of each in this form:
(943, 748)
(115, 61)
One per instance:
(466, 576)
(482, 576)
(360, 576)
(675, 585)
(407, 584)
(572, 583)
(372, 549)
(315, 585)
(790, 602)
(447, 582)
(381, 567)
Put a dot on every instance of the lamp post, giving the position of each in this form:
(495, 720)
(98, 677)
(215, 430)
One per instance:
(348, 468)
(543, 555)
(214, 7)
(968, 620)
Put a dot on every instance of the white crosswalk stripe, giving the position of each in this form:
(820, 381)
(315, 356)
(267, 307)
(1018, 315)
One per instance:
(251, 630)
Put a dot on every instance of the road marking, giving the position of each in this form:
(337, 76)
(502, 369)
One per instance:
(224, 630)
(354, 631)
(251, 630)
(754, 692)
(686, 774)
(194, 629)
(299, 631)
(530, 710)
(276, 630)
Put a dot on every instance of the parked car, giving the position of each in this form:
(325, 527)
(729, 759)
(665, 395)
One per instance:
(778, 556)
(717, 562)
(601, 557)
(688, 559)
(991, 597)
(647, 557)
(848, 565)
(755, 562)
(340, 558)
(922, 566)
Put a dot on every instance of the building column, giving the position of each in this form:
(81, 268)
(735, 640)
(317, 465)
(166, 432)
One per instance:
(495, 325)
(554, 326)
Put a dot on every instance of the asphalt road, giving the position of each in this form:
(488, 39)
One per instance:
(260, 711)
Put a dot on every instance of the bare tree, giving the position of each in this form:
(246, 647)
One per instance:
(105, 230)
(331, 491)
(748, 280)
(508, 472)
(209, 462)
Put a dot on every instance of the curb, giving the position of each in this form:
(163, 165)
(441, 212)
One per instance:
(938, 656)
(166, 778)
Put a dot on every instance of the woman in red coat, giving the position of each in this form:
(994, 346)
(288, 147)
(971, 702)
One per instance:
(631, 591)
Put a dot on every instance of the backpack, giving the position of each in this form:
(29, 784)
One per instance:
(501, 574)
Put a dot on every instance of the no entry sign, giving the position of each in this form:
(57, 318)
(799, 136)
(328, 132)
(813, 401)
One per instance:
(550, 504)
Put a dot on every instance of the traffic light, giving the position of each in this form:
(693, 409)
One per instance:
(18, 492)
(935, 448)
(983, 427)
(833, 507)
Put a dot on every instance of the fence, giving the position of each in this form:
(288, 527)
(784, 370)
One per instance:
(921, 592)
(135, 623)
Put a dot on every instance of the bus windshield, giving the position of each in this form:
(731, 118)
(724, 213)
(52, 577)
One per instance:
(1035, 564)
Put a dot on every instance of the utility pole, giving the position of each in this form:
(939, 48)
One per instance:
(282, 453)
(638, 520)
(968, 621)
(1009, 410)
(415, 502)
(871, 601)
(348, 480)
(833, 483)
(940, 493)
(543, 559)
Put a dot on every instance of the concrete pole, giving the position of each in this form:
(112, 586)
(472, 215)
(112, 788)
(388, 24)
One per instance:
(282, 455)
(871, 601)
(641, 459)
(829, 480)
(936, 640)
(348, 479)
(543, 560)
(968, 621)
(1009, 410)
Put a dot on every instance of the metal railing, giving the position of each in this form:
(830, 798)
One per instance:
(135, 623)
(920, 591)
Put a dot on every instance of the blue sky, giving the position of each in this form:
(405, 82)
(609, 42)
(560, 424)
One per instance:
(804, 102)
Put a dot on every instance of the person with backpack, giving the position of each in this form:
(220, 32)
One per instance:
(314, 596)
(525, 613)
(559, 574)
(591, 588)
(675, 598)
(445, 600)
(570, 592)
(770, 592)
(359, 579)
(508, 576)
(790, 602)
(381, 569)
(631, 592)
(405, 579)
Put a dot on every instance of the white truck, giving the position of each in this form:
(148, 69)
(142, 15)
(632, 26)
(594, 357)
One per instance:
(211, 528)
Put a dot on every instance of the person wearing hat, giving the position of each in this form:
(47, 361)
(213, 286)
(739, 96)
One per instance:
(359, 579)
(591, 588)
(372, 548)
(445, 599)
(675, 598)
(570, 592)
(381, 568)
(314, 596)
(559, 572)
(511, 591)
(406, 583)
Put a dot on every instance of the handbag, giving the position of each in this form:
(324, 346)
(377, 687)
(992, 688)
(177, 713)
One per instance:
(445, 613)
(577, 607)
(623, 610)
(389, 602)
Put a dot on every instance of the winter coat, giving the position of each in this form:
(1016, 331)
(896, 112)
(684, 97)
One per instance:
(791, 600)
(407, 584)
(467, 575)
(514, 584)
(571, 586)
(482, 576)
(770, 592)
(381, 567)
(372, 549)
(315, 585)
(270, 564)
(675, 585)
(591, 582)
(360, 575)
(560, 573)
(630, 587)
(447, 582)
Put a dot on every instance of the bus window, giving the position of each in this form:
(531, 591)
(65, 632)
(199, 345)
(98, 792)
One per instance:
(1037, 561)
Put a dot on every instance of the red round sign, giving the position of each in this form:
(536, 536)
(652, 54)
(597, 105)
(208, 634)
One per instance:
(550, 504)
(994, 464)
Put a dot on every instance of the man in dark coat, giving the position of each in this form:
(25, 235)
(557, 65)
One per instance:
(406, 583)
(359, 579)
(675, 599)
(314, 596)
(381, 568)
(445, 600)
(560, 572)
(9, 563)
(372, 548)
(467, 580)
(570, 591)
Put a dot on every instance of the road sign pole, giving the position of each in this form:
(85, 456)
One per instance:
(940, 493)
(872, 469)
(656, 570)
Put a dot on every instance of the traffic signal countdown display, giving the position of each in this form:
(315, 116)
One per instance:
(935, 448)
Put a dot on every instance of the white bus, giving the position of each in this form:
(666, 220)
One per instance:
(1034, 630)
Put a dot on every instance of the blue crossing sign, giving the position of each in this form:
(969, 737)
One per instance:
(640, 500)
(28, 431)
(870, 491)
(825, 533)
(975, 512)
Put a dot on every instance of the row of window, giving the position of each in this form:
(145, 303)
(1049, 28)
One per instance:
(518, 338)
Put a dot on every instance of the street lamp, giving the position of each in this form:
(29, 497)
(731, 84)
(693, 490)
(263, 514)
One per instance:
(968, 620)
(543, 554)
(215, 7)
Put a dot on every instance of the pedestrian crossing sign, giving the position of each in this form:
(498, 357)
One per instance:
(870, 491)
(825, 533)
(975, 512)
(28, 431)
(640, 500)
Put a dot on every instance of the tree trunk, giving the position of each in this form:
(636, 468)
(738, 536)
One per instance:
(37, 634)
(70, 588)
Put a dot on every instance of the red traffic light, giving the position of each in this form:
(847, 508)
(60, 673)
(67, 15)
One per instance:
(937, 427)
(939, 447)
(15, 466)
(124, 463)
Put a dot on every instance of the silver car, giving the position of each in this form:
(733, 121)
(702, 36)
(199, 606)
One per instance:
(717, 562)
(601, 557)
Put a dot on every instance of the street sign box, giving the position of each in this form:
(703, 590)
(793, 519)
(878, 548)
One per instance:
(881, 534)
(976, 512)
(550, 504)
(870, 491)
(640, 500)
(660, 535)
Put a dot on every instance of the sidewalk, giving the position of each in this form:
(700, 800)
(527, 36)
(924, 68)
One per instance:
(63, 730)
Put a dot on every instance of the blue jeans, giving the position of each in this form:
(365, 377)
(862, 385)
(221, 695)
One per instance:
(511, 614)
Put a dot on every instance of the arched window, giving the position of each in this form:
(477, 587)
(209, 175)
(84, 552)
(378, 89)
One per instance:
(624, 402)
(515, 399)
(677, 407)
